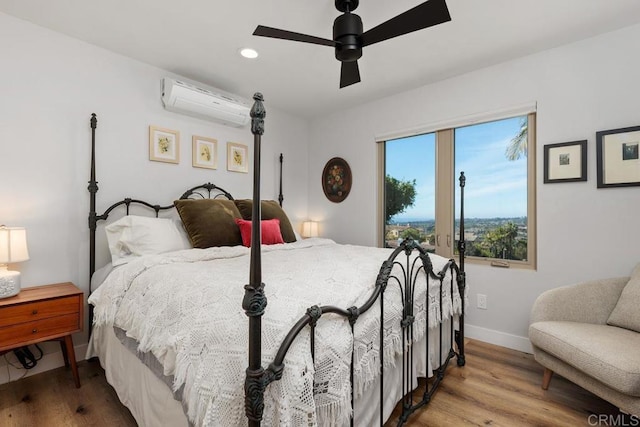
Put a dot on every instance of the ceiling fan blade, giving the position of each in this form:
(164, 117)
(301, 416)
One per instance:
(289, 35)
(427, 14)
(349, 74)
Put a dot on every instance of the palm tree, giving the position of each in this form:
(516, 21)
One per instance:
(518, 145)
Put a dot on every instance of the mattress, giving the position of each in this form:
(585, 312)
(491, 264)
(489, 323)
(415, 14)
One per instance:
(173, 309)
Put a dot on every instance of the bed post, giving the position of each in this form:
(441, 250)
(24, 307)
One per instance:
(462, 279)
(280, 196)
(93, 189)
(255, 301)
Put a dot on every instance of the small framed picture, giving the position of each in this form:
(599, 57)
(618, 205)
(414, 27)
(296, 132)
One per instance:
(237, 157)
(164, 145)
(565, 162)
(205, 152)
(336, 179)
(618, 158)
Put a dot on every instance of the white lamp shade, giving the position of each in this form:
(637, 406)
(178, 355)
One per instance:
(309, 229)
(13, 245)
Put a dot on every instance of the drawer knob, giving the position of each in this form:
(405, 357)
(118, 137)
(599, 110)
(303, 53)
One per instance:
(34, 312)
(34, 330)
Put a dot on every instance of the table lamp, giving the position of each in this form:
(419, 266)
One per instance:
(13, 248)
(309, 229)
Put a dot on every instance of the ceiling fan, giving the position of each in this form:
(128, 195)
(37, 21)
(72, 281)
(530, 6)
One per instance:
(349, 38)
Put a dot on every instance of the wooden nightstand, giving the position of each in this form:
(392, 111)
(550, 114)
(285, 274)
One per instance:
(43, 313)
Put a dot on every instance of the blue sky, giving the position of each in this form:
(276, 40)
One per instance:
(496, 187)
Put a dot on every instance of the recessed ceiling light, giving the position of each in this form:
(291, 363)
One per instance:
(248, 53)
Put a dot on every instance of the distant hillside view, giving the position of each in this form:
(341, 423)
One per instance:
(504, 238)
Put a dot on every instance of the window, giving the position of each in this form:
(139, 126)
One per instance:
(409, 188)
(421, 195)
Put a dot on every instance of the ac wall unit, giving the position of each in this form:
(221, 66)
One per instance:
(185, 98)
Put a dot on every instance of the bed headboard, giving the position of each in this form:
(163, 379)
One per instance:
(202, 191)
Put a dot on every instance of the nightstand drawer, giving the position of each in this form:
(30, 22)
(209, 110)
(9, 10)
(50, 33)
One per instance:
(37, 310)
(25, 333)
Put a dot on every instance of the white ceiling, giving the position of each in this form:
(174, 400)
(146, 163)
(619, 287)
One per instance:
(199, 39)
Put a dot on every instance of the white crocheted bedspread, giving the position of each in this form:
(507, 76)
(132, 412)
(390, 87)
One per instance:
(185, 308)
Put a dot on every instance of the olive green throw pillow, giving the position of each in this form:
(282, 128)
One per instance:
(270, 209)
(210, 222)
(626, 313)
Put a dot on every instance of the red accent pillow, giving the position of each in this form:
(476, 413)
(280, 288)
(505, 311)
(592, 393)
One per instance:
(269, 231)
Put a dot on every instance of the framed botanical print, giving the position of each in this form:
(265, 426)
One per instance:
(237, 157)
(204, 152)
(164, 145)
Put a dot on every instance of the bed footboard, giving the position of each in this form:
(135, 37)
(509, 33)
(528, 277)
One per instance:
(409, 260)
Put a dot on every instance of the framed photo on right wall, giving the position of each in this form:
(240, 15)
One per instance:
(618, 157)
(565, 162)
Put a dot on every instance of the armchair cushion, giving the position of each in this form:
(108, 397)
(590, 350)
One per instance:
(603, 352)
(626, 313)
(588, 302)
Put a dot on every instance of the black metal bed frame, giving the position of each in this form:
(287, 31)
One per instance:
(255, 301)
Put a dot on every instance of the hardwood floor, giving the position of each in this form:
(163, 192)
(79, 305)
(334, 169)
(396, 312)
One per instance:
(502, 387)
(497, 387)
(51, 399)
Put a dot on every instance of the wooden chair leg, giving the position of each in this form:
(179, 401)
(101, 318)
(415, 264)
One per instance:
(546, 378)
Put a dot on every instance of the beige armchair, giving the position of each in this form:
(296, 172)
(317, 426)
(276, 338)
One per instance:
(590, 334)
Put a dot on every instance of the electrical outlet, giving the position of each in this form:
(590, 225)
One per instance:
(482, 301)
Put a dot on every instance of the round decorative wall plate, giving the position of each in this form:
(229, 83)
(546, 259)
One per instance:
(336, 179)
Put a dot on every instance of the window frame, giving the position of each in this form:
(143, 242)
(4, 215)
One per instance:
(446, 183)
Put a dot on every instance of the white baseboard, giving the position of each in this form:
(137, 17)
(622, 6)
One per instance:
(49, 361)
(502, 339)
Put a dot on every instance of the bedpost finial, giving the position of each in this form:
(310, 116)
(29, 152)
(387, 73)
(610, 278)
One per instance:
(258, 114)
(94, 121)
(463, 179)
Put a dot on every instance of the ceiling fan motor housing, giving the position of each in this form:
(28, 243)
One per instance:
(342, 5)
(347, 30)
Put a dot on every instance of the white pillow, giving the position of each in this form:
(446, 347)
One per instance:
(134, 236)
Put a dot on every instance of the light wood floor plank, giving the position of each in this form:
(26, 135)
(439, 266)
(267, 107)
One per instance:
(497, 387)
(502, 387)
(51, 399)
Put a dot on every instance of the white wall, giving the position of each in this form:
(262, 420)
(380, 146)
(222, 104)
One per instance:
(49, 86)
(583, 232)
